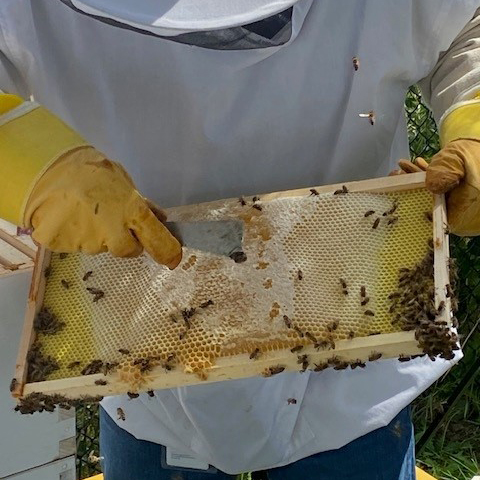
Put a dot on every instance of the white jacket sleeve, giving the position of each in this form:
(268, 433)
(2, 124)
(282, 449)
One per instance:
(10, 79)
(456, 76)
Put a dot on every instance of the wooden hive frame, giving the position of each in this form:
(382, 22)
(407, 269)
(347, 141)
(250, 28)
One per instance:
(240, 366)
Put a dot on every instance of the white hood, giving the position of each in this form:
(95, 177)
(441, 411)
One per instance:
(174, 17)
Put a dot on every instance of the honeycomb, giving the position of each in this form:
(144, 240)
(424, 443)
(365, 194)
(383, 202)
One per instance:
(298, 249)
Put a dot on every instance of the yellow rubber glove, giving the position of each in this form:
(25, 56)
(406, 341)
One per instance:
(71, 194)
(455, 169)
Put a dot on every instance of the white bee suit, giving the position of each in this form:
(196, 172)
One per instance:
(194, 124)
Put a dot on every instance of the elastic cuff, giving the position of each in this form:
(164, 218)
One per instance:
(31, 140)
(461, 120)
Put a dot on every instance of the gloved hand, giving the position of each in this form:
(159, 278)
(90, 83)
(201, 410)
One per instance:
(455, 169)
(71, 194)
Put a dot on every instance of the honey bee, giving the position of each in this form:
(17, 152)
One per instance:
(292, 401)
(73, 365)
(132, 395)
(369, 313)
(403, 358)
(206, 304)
(332, 326)
(288, 322)
(374, 333)
(299, 275)
(298, 348)
(299, 332)
(449, 289)
(313, 192)
(98, 296)
(302, 358)
(363, 291)
(87, 275)
(356, 63)
(341, 365)
(392, 210)
(120, 414)
(392, 221)
(255, 199)
(93, 367)
(368, 213)
(238, 257)
(333, 360)
(428, 216)
(96, 209)
(124, 351)
(257, 207)
(242, 201)
(182, 335)
(441, 307)
(374, 356)
(150, 393)
(171, 357)
(370, 115)
(376, 223)
(320, 367)
(255, 354)
(109, 367)
(394, 295)
(13, 384)
(62, 256)
(65, 284)
(364, 301)
(310, 337)
(100, 382)
(47, 272)
(357, 363)
(351, 335)
(270, 371)
(322, 345)
(341, 191)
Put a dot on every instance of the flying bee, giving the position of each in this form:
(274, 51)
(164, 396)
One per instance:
(132, 395)
(320, 367)
(313, 192)
(206, 304)
(392, 221)
(403, 358)
(255, 199)
(255, 354)
(73, 365)
(376, 223)
(369, 313)
(242, 201)
(296, 349)
(351, 335)
(292, 401)
(428, 216)
(299, 275)
(310, 337)
(13, 384)
(150, 393)
(374, 356)
(270, 371)
(368, 213)
(65, 284)
(257, 207)
(87, 275)
(356, 63)
(364, 301)
(288, 322)
(299, 332)
(120, 414)
(124, 351)
(341, 191)
(332, 326)
(100, 381)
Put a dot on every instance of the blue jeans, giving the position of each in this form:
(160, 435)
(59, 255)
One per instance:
(384, 454)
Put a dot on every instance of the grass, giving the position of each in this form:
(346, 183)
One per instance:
(453, 452)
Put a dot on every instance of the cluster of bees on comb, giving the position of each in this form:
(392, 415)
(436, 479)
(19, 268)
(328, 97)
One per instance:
(39, 402)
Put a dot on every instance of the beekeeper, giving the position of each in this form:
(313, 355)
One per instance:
(220, 98)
